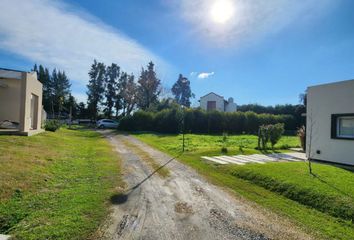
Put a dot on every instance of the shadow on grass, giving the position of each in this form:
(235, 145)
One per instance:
(330, 185)
(121, 198)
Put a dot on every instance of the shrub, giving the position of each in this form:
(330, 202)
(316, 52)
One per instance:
(269, 133)
(200, 121)
(52, 125)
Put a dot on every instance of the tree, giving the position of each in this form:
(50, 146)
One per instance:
(111, 79)
(129, 95)
(95, 88)
(148, 87)
(182, 91)
(61, 90)
(45, 78)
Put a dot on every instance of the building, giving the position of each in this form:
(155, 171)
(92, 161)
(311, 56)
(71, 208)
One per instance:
(20, 102)
(213, 101)
(330, 122)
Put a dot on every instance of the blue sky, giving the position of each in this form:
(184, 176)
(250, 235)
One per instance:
(266, 52)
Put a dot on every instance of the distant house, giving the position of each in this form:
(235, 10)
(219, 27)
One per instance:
(330, 122)
(20, 102)
(213, 101)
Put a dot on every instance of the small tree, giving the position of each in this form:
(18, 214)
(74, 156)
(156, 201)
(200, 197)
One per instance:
(275, 133)
(269, 133)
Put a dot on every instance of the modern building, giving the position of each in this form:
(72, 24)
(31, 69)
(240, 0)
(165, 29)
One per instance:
(20, 102)
(213, 101)
(330, 122)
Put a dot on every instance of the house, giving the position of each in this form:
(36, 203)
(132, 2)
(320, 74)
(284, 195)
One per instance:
(213, 101)
(20, 102)
(330, 122)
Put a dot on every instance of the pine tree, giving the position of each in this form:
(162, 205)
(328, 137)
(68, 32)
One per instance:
(182, 91)
(95, 88)
(111, 79)
(61, 91)
(149, 87)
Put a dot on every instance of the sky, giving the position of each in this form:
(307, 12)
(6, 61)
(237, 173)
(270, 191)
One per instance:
(256, 51)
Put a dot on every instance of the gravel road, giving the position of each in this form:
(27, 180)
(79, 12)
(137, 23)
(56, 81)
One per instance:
(183, 205)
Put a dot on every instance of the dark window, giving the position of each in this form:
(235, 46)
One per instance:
(211, 105)
(342, 126)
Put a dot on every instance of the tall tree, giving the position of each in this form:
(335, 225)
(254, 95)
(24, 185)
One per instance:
(129, 95)
(61, 90)
(122, 85)
(95, 88)
(45, 78)
(182, 91)
(111, 79)
(149, 87)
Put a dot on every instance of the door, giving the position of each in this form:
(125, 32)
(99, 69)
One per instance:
(34, 112)
(211, 105)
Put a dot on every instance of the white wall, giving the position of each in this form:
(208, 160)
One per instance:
(212, 97)
(322, 102)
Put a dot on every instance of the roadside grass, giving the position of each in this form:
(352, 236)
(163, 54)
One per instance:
(329, 190)
(56, 185)
(331, 183)
(145, 156)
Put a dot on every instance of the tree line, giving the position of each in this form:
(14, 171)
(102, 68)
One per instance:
(117, 94)
(57, 99)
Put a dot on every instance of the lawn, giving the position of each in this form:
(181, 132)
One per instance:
(56, 185)
(322, 205)
(212, 144)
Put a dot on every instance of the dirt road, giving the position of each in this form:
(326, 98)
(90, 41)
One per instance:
(182, 205)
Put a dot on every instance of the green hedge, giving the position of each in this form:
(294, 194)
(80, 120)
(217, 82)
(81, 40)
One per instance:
(199, 121)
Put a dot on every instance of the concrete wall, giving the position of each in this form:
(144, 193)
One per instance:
(322, 102)
(10, 99)
(31, 86)
(212, 97)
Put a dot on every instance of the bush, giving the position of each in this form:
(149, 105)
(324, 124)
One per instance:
(52, 125)
(200, 121)
(269, 133)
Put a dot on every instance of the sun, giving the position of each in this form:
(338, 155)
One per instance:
(222, 11)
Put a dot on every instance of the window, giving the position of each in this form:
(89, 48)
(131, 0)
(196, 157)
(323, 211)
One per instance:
(343, 126)
(211, 105)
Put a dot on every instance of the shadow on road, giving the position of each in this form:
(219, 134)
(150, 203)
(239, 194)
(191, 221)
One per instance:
(121, 198)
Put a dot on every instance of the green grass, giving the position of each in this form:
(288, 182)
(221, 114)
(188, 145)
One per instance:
(56, 185)
(274, 186)
(212, 144)
(329, 190)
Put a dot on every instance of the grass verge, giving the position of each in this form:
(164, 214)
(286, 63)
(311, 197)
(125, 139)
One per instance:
(162, 172)
(320, 224)
(56, 185)
(329, 190)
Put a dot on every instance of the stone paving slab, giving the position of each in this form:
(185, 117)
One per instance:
(258, 158)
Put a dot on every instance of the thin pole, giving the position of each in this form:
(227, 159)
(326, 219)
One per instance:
(182, 128)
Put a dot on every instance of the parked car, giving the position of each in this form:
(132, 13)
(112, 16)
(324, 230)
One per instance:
(107, 123)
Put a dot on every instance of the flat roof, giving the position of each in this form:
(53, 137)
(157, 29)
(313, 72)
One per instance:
(12, 70)
(331, 83)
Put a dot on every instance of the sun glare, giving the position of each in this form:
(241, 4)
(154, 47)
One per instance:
(222, 11)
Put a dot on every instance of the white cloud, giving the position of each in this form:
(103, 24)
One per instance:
(58, 35)
(204, 75)
(252, 20)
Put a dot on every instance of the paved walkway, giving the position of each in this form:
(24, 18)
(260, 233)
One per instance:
(258, 158)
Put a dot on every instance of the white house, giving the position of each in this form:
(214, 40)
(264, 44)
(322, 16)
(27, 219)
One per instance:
(213, 101)
(330, 122)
